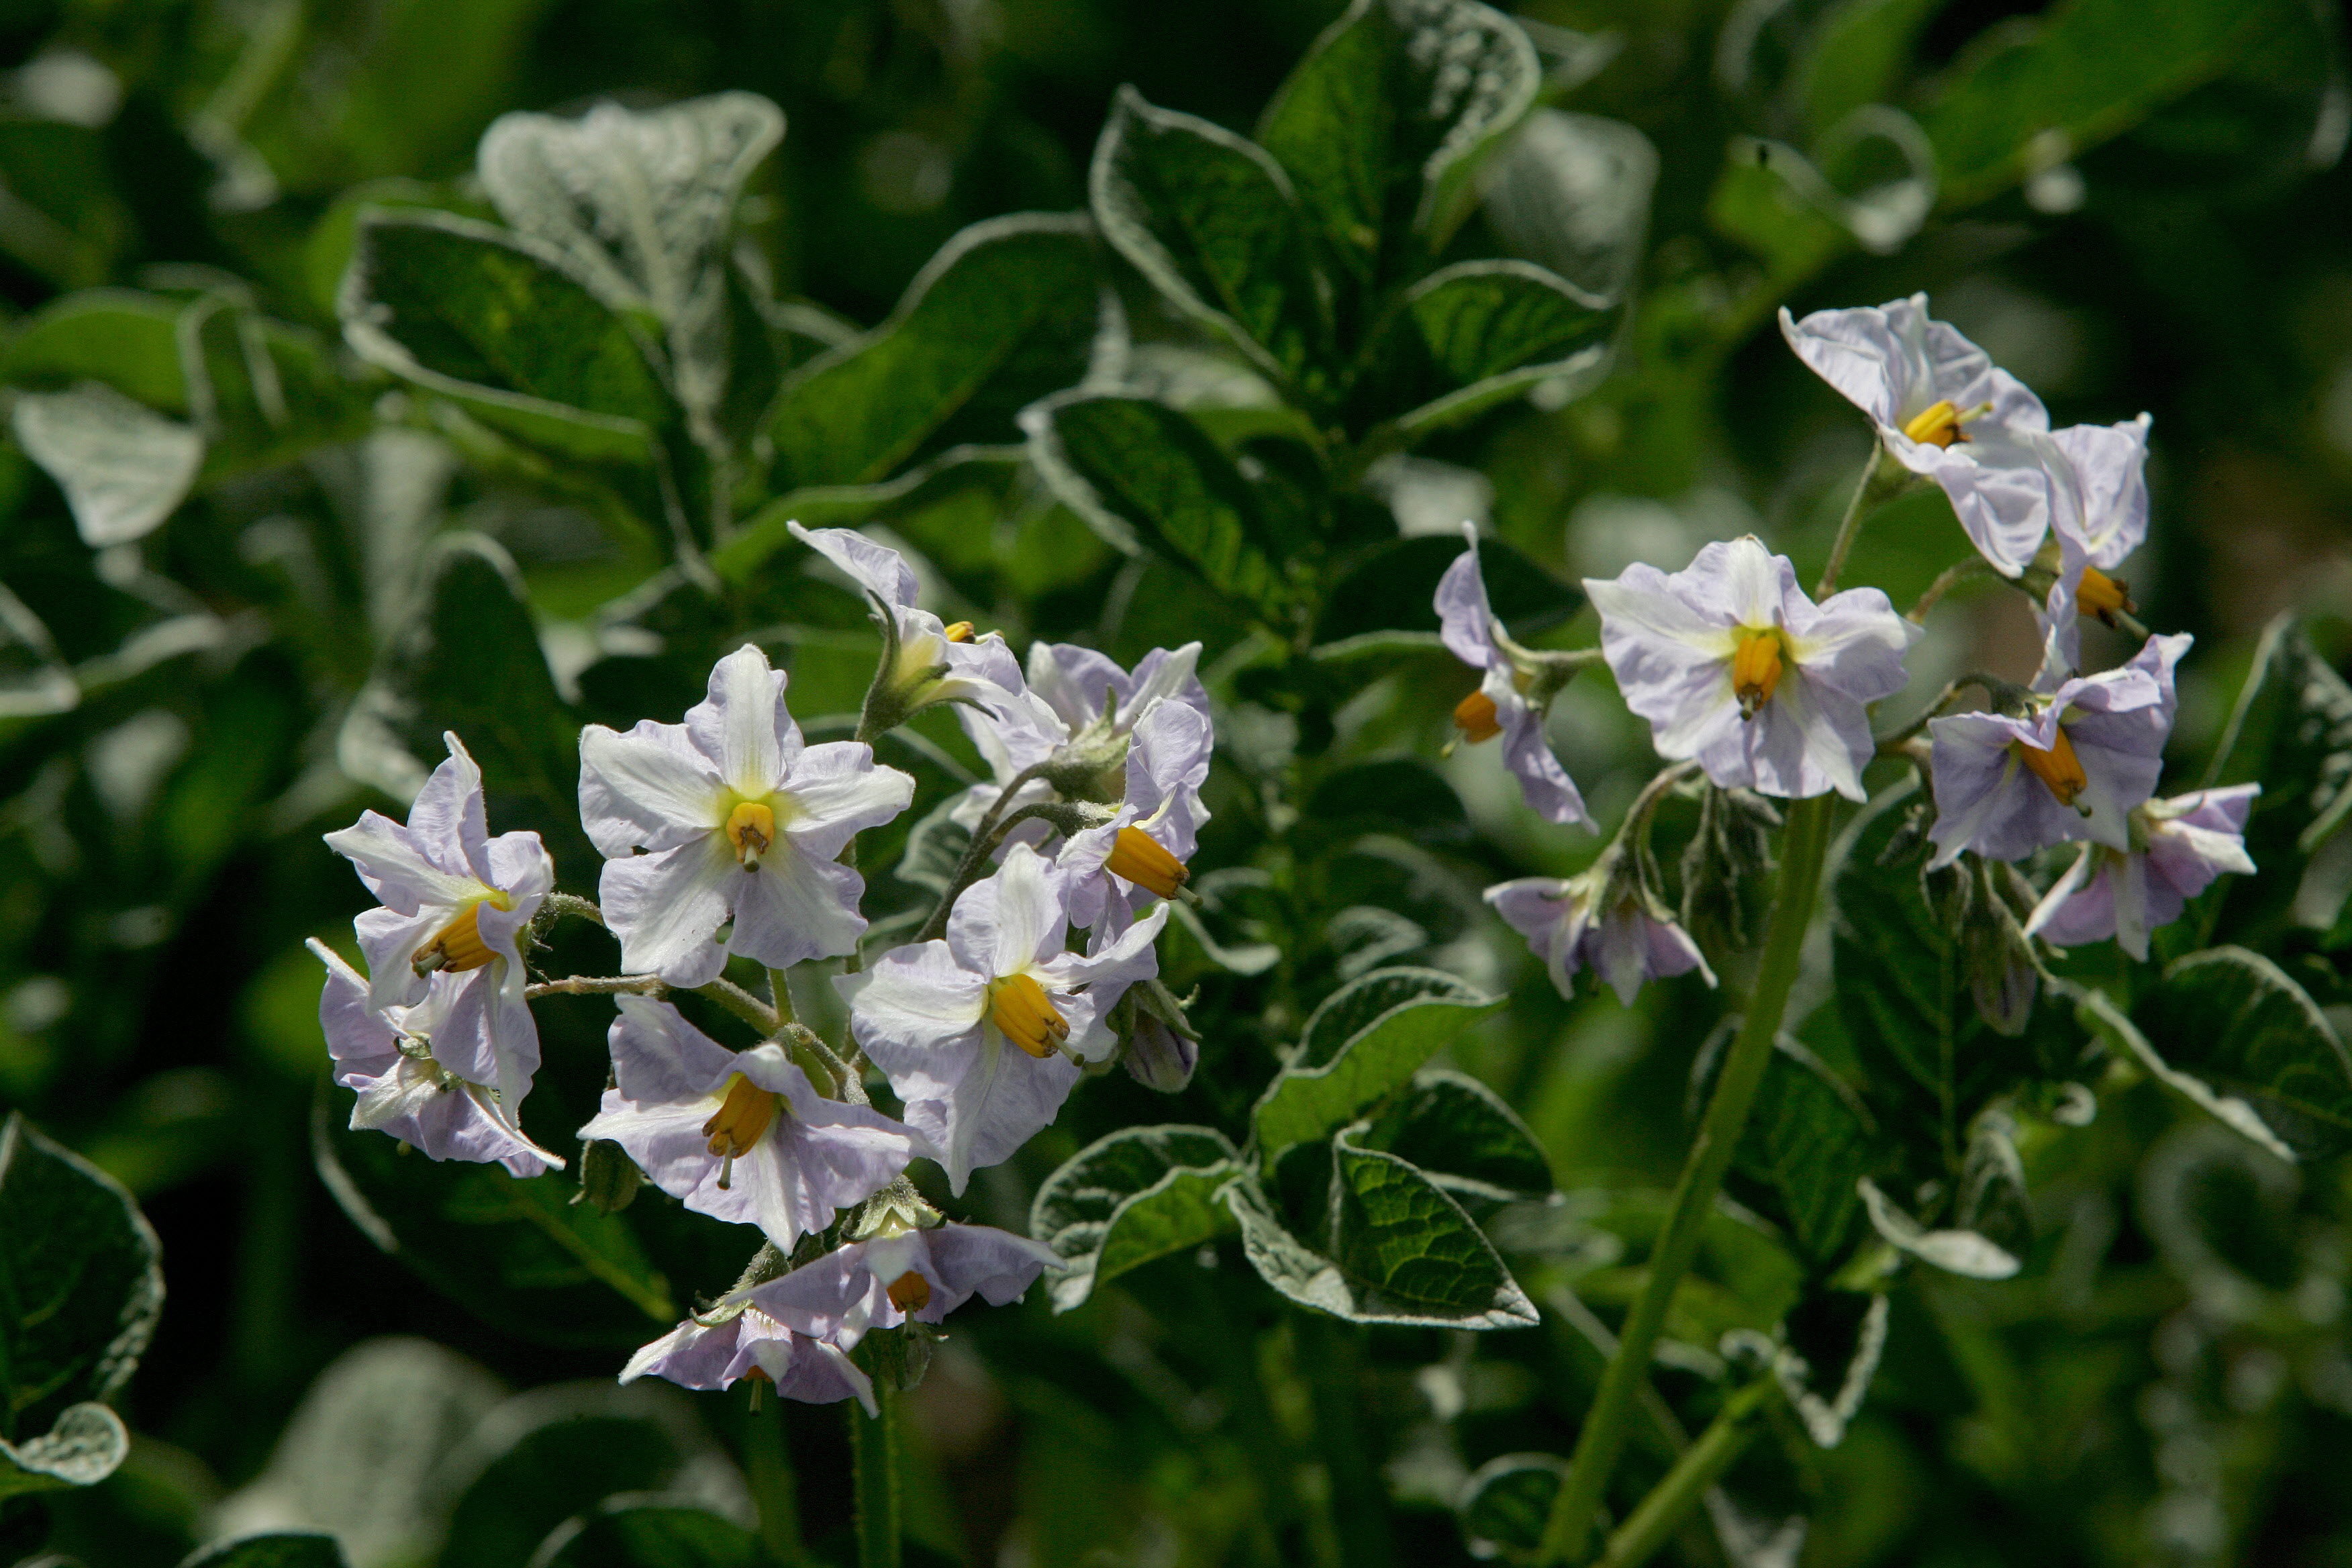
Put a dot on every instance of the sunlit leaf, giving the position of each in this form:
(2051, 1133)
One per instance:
(1367, 1038)
(2238, 1021)
(1138, 1194)
(276, 1549)
(1460, 1134)
(123, 468)
(1466, 337)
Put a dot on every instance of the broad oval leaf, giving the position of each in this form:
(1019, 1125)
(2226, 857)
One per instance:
(1474, 336)
(650, 1535)
(1571, 194)
(1006, 312)
(1144, 476)
(1459, 1134)
(1367, 1038)
(1962, 1252)
(2102, 1017)
(1506, 1501)
(2238, 1021)
(123, 468)
(124, 338)
(1212, 222)
(1809, 1140)
(81, 1288)
(493, 321)
(1127, 1199)
(278, 1549)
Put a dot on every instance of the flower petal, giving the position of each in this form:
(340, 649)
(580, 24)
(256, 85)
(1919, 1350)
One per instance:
(796, 906)
(1465, 621)
(648, 789)
(742, 724)
(877, 568)
(837, 790)
(666, 909)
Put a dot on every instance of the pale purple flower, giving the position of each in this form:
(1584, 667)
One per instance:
(2098, 485)
(932, 668)
(1471, 634)
(741, 1136)
(1167, 762)
(454, 901)
(729, 817)
(387, 1055)
(737, 1339)
(1943, 410)
(982, 1034)
(1158, 1056)
(1596, 921)
(904, 1272)
(2071, 767)
(1734, 666)
(2179, 847)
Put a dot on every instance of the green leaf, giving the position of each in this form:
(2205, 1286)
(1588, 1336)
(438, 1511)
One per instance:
(1144, 476)
(944, 488)
(1506, 1501)
(1381, 126)
(126, 338)
(492, 320)
(1006, 313)
(2291, 732)
(1808, 1141)
(277, 1550)
(1858, 56)
(1127, 1199)
(2236, 1020)
(262, 393)
(1961, 1252)
(1389, 795)
(518, 1253)
(123, 468)
(2102, 1017)
(650, 1535)
(1211, 221)
(81, 1287)
(1571, 194)
(1474, 336)
(2087, 70)
(1459, 1134)
(1394, 587)
(85, 1447)
(1366, 1038)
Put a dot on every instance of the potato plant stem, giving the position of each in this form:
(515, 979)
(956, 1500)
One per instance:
(873, 1461)
(1661, 1513)
(1569, 1529)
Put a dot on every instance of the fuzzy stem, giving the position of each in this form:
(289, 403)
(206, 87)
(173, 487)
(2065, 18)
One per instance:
(1660, 1514)
(1603, 1439)
(873, 1464)
(741, 1003)
(1848, 526)
(767, 1461)
(975, 859)
(597, 985)
(1951, 577)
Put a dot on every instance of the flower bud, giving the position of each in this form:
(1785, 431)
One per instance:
(609, 1178)
(1157, 1057)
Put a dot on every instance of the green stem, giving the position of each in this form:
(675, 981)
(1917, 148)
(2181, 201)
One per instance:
(1360, 1511)
(1597, 1446)
(768, 1458)
(1849, 525)
(1661, 1513)
(873, 1463)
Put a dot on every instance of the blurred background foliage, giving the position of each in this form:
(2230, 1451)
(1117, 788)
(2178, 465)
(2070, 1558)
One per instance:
(2131, 206)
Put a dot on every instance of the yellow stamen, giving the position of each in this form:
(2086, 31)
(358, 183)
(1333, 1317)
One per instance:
(1474, 716)
(957, 631)
(2101, 596)
(2058, 767)
(458, 948)
(910, 1292)
(1143, 860)
(740, 1122)
(1756, 670)
(1937, 425)
(751, 828)
(1018, 1005)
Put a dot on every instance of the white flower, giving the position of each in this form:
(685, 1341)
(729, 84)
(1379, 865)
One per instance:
(387, 1055)
(454, 900)
(982, 1034)
(1501, 705)
(2179, 849)
(902, 1272)
(741, 1136)
(1943, 410)
(736, 1339)
(936, 663)
(729, 817)
(2098, 484)
(1111, 872)
(1734, 666)
(1568, 927)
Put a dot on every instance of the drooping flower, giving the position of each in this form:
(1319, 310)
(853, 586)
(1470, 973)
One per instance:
(387, 1054)
(903, 1271)
(454, 901)
(1514, 694)
(2179, 849)
(1734, 666)
(740, 1135)
(736, 1339)
(1943, 410)
(935, 662)
(1597, 920)
(729, 817)
(2098, 487)
(982, 1034)
(1114, 870)
(2072, 765)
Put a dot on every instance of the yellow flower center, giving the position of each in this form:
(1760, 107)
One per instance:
(1476, 716)
(2101, 596)
(741, 1120)
(1143, 860)
(751, 828)
(910, 1292)
(1019, 1005)
(1937, 425)
(458, 946)
(957, 631)
(2058, 767)
(1756, 670)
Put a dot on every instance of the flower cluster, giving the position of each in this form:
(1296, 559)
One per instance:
(1754, 686)
(728, 838)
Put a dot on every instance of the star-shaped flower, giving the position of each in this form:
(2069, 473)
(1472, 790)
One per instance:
(729, 817)
(737, 1339)
(2179, 849)
(454, 900)
(1734, 666)
(740, 1135)
(1599, 921)
(2098, 484)
(982, 1034)
(903, 1271)
(1114, 871)
(1513, 695)
(935, 662)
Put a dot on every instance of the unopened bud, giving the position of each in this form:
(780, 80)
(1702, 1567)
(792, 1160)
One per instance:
(1157, 1057)
(609, 1178)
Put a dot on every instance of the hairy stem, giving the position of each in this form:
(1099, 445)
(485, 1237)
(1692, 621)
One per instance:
(1660, 1514)
(1849, 525)
(767, 1461)
(597, 985)
(1597, 1446)
(984, 843)
(873, 1464)
(1950, 578)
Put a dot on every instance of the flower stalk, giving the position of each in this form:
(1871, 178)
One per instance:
(878, 1496)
